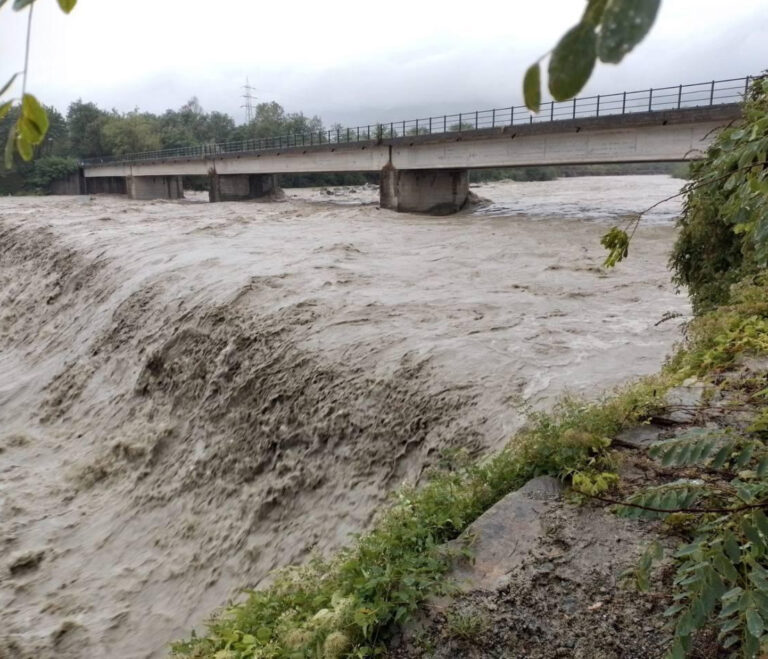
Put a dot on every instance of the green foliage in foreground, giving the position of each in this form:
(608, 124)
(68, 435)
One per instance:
(724, 226)
(346, 607)
(608, 30)
(721, 491)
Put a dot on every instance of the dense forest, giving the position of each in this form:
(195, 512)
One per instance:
(88, 131)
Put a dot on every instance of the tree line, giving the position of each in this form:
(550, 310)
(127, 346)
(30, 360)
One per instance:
(88, 131)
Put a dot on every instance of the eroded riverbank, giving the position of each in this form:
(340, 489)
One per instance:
(194, 394)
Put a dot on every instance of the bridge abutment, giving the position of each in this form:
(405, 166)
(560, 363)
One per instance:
(237, 187)
(432, 191)
(155, 187)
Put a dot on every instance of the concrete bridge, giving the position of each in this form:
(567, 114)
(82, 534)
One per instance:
(424, 163)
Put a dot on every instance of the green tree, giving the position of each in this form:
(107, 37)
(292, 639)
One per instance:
(85, 122)
(56, 142)
(271, 120)
(131, 133)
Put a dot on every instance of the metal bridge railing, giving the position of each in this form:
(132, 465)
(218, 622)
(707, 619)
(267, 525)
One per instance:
(703, 94)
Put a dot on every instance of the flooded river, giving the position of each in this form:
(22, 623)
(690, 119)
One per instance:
(193, 394)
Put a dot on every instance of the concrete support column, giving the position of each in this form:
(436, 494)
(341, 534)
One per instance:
(155, 187)
(236, 187)
(432, 191)
(106, 185)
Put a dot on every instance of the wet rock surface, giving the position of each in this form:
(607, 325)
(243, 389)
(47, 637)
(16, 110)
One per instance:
(564, 598)
(503, 537)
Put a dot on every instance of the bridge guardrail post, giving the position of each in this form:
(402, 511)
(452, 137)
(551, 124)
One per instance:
(746, 86)
(493, 118)
(679, 96)
(712, 93)
(650, 99)
(477, 114)
(512, 116)
(551, 110)
(574, 108)
(624, 103)
(597, 108)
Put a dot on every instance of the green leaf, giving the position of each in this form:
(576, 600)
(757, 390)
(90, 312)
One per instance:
(754, 623)
(722, 456)
(745, 456)
(751, 532)
(593, 14)
(731, 547)
(572, 62)
(67, 5)
(616, 241)
(20, 4)
(8, 84)
(35, 121)
(9, 147)
(264, 634)
(5, 108)
(761, 521)
(532, 87)
(725, 567)
(624, 25)
(24, 147)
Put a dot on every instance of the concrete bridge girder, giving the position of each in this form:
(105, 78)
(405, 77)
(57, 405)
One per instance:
(428, 173)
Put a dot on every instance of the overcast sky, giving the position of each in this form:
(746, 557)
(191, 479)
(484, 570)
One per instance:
(352, 62)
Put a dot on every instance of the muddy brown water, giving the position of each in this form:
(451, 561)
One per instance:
(192, 395)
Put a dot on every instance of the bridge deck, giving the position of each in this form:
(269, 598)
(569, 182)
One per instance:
(641, 137)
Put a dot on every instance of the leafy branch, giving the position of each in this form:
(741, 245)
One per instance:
(608, 30)
(30, 128)
(617, 240)
(722, 571)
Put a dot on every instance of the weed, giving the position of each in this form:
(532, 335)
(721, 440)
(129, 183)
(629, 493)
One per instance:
(467, 626)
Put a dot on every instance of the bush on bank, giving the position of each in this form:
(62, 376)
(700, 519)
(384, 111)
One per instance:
(724, 226)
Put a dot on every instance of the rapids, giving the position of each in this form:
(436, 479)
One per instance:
(194, 394)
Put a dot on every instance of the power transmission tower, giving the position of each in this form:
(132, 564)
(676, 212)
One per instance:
(249, 99)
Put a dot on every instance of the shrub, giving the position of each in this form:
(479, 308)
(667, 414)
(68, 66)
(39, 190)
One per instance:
(724, 226)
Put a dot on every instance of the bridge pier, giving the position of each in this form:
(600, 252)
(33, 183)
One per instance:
(237, 187)
(432, 191)
(155, 187)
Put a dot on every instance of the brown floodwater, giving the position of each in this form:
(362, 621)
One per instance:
(194, 394)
